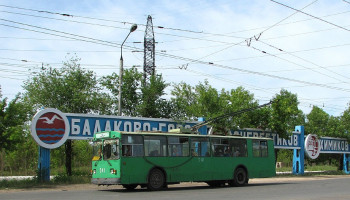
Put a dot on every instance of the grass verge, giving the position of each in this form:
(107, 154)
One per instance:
(35, 183)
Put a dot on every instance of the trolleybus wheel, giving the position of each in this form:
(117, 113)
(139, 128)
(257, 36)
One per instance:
(240, 178)
(156, 180)
(130, 186)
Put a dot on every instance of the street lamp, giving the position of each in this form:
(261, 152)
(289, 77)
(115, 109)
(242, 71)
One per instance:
(132, 29)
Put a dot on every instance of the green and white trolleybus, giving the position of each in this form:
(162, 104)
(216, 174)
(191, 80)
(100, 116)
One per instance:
(154, 160)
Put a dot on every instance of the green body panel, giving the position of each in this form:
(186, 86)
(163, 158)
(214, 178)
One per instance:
(261, 167)
(135, 170)
(103, 168)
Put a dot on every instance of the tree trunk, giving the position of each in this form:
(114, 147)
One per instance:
(2, 160)
(341, 162)
(68, 149)
(276, 155)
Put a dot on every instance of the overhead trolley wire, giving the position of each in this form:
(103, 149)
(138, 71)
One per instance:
(341, 27)
(97, 41)
(66, 35)
(289, 61)
(109, 20)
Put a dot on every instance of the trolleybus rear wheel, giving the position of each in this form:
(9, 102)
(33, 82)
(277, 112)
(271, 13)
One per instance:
(240, 178)
(156, 180)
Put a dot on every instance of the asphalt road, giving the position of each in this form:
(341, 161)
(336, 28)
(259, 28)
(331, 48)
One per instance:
(321, 187)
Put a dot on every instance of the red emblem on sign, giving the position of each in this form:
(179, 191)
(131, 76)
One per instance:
(50, 128)
(312, 146)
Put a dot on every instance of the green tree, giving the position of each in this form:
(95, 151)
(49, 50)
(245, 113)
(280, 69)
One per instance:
(322, 124)
(236, 100)
(184, 97)
(130, 90)
(151, 98)
(199, 101)
(317, 122)
(13, 118)
(205, 101)
(70, 89)
(335, 128)
(139, 98)
(345, 124)
(285, 114)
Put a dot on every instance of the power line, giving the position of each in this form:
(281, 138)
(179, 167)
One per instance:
(293, 22)
(298, 51)
(254, 72)
(303, 33)
(288, 17)
(65, 20)
(93, 40)
(61, 32)
(75, 51)
(232, 68)
(257, 37)
(304, 61)
(85, 39)
(99, 19)
(69, 15)
(341, 27)
(227, 80)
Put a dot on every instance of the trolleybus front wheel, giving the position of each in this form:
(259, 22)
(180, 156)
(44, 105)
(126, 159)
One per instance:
(156, 180)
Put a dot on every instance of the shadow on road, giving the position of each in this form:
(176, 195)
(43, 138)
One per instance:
(186, 188)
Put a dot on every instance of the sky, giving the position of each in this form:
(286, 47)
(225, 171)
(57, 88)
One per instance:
(262, 45)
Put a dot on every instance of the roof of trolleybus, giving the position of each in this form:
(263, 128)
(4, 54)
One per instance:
(111, 133)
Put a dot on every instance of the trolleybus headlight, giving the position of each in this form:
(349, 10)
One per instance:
(94, 171)
(113, 171)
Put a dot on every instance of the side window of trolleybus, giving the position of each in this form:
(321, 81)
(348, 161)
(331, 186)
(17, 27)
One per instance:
(260, 148)
(155, 145)
(178, 146)
(132, 145)
(220, 147)
(238, 147)
(200, 146)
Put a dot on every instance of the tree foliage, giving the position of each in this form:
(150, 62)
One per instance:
(139, 97)
(13, 118)
(203, 100)
(151, 98)
(70, 89)
(13, 132)
(130, 90)
(345, 123)
(317, 121)
(285, 114)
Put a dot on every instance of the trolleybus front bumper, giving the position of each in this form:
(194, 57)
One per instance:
(105, 181)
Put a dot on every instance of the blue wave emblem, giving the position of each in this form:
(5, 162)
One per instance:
(50, 129)
(45, 136)
(51, 141)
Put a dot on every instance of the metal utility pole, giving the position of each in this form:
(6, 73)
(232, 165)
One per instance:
(132, 29)
(149, 50)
